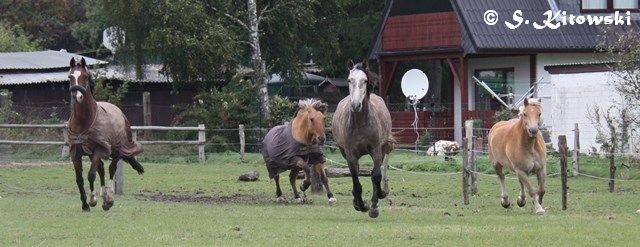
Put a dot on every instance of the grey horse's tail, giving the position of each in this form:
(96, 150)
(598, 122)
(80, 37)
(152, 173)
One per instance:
(390, 145)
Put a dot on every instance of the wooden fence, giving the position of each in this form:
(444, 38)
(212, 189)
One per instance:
(65, 143)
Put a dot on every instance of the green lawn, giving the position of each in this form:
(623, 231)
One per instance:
(40, 206)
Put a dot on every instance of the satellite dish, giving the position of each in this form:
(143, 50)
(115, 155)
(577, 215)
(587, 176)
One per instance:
(415, 84)
(110, 38)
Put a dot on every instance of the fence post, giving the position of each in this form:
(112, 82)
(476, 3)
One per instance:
(465, 173)
(118, 177)
(562, 149)
(612, 172)
(146, 108)
(473, 168)
(134, 135)
(201, 140)
(576, 151)
(242, 144)
(65, 146)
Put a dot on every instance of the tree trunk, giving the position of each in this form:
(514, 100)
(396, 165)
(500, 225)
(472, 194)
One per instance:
(259, 67)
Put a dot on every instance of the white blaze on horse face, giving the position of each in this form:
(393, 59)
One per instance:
(76, 75)
(357, 88)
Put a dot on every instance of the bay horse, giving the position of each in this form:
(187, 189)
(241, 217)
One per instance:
(99, 130)
(296, 146)
(362, 125)
(518, 145)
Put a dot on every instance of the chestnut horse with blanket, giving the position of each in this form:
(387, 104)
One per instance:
(518, 145)
(296, 146)
(99, 130)
(362, 125)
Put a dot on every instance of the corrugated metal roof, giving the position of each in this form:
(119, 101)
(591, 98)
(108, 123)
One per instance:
(526, 36)
(151, 74)
(33, 78)
(41, 60)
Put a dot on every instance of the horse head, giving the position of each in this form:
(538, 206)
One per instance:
(80, 82)
(359, 84)
(531, 115)
(309, 120)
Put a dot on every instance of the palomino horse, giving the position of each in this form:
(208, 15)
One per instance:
(362, 125)
(518, 145)
(99, 130)
(296, 146)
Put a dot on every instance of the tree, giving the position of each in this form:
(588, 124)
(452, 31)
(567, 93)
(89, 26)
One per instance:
(48, 22)
(14, 39)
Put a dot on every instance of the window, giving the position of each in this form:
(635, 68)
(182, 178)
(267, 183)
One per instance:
(499, 80)
(609, 6)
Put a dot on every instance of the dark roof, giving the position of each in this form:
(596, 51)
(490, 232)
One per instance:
(525, 37)
(478, 37)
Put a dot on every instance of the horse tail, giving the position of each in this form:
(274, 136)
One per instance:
(134, 164)
(390, 145)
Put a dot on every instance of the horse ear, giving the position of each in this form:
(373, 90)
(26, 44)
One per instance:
(83, 63)
(73, 62)
(365, 64)
(350, 64)
(526, 101)
(322, 107)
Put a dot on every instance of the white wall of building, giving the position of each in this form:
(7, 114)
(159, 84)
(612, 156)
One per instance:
(572, 95)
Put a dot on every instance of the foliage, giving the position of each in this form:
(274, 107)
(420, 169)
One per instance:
(7, 115)
(104, 90)
(281, 110)
(624, 48)
(13, 38)
(502, 115)
(426, 139)
(613, 127)
(227, 107)
(48, 22)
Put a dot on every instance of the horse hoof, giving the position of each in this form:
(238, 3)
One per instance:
(522, 201)
(382, 194)
(93, 203)
(332, 201)
(505, 203)
(281, 199)
(300, 200)
(86, 208)
(361, 207)
(540, 211)
(107, 205)
(373, 213)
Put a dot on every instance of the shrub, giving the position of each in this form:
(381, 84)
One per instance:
(502, 115)
(281, 110)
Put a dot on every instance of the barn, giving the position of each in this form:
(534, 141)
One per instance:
(451, 42)
(38, 82)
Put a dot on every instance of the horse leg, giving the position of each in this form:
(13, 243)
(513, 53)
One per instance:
(542, 175)
(95, 162)
(293, 175)
(110, 190)
(522, 199)
(77, 166)
(325, 181)
(504, 197)
(279, 198)
(103, 191)
(376, 179)
(522, 176)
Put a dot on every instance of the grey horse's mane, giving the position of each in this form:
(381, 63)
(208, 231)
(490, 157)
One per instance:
(314, 103)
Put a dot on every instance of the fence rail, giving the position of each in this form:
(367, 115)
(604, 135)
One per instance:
(65, 144)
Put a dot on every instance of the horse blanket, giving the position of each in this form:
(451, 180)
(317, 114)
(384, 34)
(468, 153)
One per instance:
(281, 151)
(110, 131)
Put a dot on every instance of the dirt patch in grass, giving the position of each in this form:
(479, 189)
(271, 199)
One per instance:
(200, 198)
(11, 164)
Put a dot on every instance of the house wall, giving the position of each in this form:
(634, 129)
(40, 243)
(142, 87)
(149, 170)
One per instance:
(571, 96)
(545, 91)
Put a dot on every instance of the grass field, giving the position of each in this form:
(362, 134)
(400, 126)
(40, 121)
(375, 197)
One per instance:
(39, 206)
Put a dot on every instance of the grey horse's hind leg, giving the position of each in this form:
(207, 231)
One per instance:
(376, 179)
